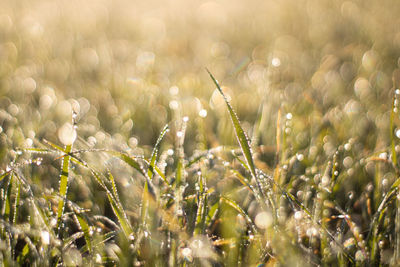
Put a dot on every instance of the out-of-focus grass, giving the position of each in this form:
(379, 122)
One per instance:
(313, 83)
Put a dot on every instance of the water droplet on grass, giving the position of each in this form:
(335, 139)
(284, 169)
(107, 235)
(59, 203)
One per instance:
(263, 220)
(276, 62)
(298, 215)
(203, 113)
(383, 155)
(300, 157)
(187, 253)
(173, 104)
(347, 146)
(174, 90)
(45, 237)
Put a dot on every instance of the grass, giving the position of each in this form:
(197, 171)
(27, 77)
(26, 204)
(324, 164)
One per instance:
(118, 147)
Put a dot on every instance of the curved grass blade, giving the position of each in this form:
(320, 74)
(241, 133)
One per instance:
(131, 161)
(118, 209)
(121, 216)
(154, 153)
(240, 135)
(85, 229)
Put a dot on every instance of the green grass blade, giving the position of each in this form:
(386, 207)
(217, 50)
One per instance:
(240, 134)
(85, 229)
(63, 184)
(4, 175)
(56, 147)
(201, 206)
(121, 216)
(131, 161)
(7, 204)
(154, 153)
(16, 201)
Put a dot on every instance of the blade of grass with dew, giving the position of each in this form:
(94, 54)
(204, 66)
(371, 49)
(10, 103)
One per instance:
(154, 153)
(131, 161)
(119, 213)
(114, 187)
(56, 147)
(180, 166)
(144, 205)
(16, 201)
(240, 135)
(159, 172)
(4, 175)
(201, 206)
(84, 226)
(7, 203)
(63, 185)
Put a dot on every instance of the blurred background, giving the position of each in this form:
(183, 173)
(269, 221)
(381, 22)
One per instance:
(129, 67)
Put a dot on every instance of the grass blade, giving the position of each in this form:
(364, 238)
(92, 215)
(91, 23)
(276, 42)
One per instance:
(240, 135)
(154, 153)
(63, 184)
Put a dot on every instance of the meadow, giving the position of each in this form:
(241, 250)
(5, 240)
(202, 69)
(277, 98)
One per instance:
(199, 133)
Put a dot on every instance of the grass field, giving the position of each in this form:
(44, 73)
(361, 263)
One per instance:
(199, 133)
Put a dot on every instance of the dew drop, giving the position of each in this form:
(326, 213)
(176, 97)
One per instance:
(187, 253)
(185, 119)
(45, 237)
(298, 215)
(347, 146)
(263, 220)
(174, 90)
(289, 116)
(98, 258)
(203, 113)
(179, 212)
(383, 155)
(173, 105)
(398, 133)
(276, 62)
